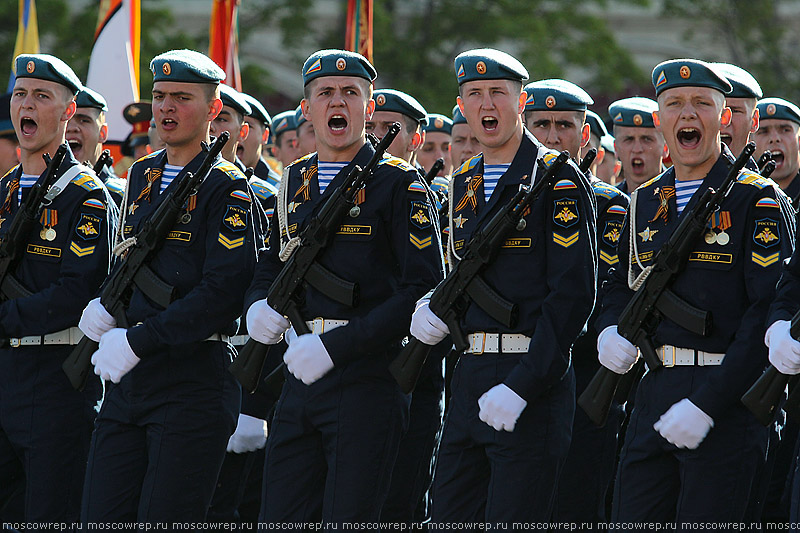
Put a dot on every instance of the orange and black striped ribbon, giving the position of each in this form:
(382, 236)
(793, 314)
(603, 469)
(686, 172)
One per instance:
(471, 198)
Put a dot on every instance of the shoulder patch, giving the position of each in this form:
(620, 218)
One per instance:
(396, 162)
(440, 184)
(116, 185)
(231, 170)
(605, 190)
(87, 181)
(751, 178)
(416, 187)
(549, 157)
(299, 159)
(768, 202)
(650, 181)
(241, 195)
(468, 164)
(563, 185)
(97, 204)
(617, 210)
(262, 191)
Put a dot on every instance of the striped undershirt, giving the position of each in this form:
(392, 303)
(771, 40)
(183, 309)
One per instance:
(684, 191)
(326, 171)
(26, 181)
(170, 171)
(491, 175)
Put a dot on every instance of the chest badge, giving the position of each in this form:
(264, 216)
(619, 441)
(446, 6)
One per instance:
(647, 234)
(459, 221)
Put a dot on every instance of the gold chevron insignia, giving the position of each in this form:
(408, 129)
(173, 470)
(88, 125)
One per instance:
(419, 243)
(81, 252)
(766, 261)
(566, 242)
(608, 258)
(230, 244)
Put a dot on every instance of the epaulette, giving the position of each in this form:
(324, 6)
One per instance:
(10, 171)
(650, 181)
(440, 183)
(468, 164)
(549, 157)
(116, 185)
(396, 162)
(231, 170)
(262, 189)
(301, 158)
(605, 190)
(89, 182)
(149, 156)
(756, 180)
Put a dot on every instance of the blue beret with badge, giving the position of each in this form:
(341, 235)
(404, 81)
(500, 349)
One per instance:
(458, 117)
(233, 98)
(299, 119)
(185, 66)
(596, 124)
(439, 123)
(743, 83)
(556, 95)
(283, 122)
(635, 112)
(47, 67)
(257, 111)
(399, 102)
(488, 64)
(689, 73)
(778, 109)
(337, 63)
(6, 126)
(88, 98)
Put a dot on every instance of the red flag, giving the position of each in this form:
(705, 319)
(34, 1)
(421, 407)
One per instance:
(223, 45)
(358, 37)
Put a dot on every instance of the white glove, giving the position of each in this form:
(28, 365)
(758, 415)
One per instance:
(615, 352)
(784, 351)
(500, 407)
(307, 359)
(114, 358)
(426, 326)
(95, 320)
(265, 324)
(684, 424)
(250, 435)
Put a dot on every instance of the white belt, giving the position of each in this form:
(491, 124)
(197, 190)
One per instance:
(239, 340)
(674, 356)
(318, 326)
(480, 343)
(65, 336)
(218, 337)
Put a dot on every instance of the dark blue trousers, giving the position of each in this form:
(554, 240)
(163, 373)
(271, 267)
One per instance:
(160, 437)
(483, 475)
(45, 427)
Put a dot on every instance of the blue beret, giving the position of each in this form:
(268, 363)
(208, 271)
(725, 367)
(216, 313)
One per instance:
(89, 98)
(596, 124)
(257, 111)
(437, 122)
(636, 112)
(556, 95)
(689, 73)
(186, 66)
(743, 83)
(283, 122)
(299, 119)
(6, 126)
(337, 63)
(488, 64)
(47, 67)
(778, 109)
(458, 117)
(399, 102)
(233, 98)
(607, 142)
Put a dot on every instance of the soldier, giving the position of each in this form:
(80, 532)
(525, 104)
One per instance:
(231, 119)
(87, 131)
(779, 132)
(138, 143)
(251, 149)
(170, 405)
(556, 109)
(339, 420)
(438, 132)
(638, 144)
(306, 142)
(45, 425)
(9, 146)
(463, 143)
(597, 130)
(497, 462)
(691, 447)
(395, 106)
(742, 102)
(609, 169)
(285, 145)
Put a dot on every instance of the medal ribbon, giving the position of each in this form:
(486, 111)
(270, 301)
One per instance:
(471, 194)
(13, 187)
(721, 220)
(664, 196)
(152, 174)
(49, 218)
(304, 188)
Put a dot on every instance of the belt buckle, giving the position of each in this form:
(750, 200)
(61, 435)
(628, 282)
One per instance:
(474, 344)
(664, 356)
(14, 342)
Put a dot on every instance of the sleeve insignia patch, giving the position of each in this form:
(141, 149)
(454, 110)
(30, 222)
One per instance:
(767, 202)
(564, 185)
(235, 218)
(568, 241)
(416, 187)
(88, 227)
(97, 204)
(617, 210)
(766, 261)
(230, 244)
(612, 233)
(609, 258)
(241, 195)
(419, 215)
(420, 243)
(80, 251)
(565, 212)
(767, 233)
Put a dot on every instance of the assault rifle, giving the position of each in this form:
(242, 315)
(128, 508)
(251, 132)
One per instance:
(302, 268)
(451, 297)
(104, 159)
(588, 159)
(27, 217)
(653, 300)
(134, 270)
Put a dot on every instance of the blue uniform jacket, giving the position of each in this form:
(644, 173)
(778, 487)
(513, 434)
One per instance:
(65, 273)
(209, 259)
(735, 280)
(548, 269)
(390, 250)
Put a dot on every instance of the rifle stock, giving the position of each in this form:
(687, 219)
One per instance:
(588, 159)
(149, 239)
(102, 161)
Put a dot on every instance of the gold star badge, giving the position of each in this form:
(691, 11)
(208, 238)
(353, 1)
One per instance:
(647, 234)
(459, 221)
